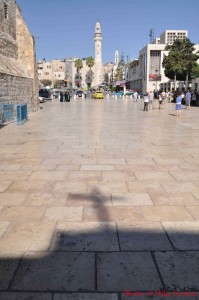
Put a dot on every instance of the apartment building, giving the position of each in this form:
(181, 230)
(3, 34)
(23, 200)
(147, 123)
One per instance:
(146, 73)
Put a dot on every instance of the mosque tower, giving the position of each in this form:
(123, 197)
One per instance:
(98, 54)
(116, 57)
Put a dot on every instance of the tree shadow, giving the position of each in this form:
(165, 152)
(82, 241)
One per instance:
(102, 257)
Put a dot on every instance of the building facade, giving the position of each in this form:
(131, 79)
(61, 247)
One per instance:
(18, 72)
(146, 73)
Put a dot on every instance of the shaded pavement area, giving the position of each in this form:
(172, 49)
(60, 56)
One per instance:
(99, 200)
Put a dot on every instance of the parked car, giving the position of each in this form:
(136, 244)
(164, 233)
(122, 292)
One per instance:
(80, 93)
(98, 95)
(46, 94)
(120, 93)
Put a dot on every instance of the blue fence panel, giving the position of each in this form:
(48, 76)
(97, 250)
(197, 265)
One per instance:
(7, 113)
(22, 113)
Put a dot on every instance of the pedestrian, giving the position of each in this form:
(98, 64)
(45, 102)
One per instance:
(178, 104)
(66, 96)
(135, 96)
(151, 97)
(146, 101)
(188, 99)
(160, 100)
(61, 96)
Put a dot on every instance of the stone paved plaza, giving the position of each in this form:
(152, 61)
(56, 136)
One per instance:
(98, 197)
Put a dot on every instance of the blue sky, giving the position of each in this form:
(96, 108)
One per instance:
(65, 28)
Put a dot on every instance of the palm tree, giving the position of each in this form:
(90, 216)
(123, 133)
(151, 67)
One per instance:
(78, 66)
(90, 63)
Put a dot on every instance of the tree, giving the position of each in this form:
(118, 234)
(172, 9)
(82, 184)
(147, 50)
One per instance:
(58, 83)
(90, 63)
(46, 82)
(78, 65)
(181, 60)
(195, 72)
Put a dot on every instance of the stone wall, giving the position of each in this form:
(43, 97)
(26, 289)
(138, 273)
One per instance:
(8, 44)
(18, 72)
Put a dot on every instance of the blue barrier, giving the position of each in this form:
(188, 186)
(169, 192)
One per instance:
(22, 113)
(7, 113)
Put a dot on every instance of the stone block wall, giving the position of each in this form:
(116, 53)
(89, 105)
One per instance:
(8, 43)
(16, 90)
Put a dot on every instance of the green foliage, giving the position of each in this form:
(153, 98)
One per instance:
(58, 83)
(46, 82)
(181, 60)
(195, 72)
(78, 64)
(90, 61)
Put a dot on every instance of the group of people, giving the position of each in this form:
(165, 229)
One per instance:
(165, 97)
(64, 96)
(179, 97)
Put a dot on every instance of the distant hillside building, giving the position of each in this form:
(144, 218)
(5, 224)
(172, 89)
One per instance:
(18, 73)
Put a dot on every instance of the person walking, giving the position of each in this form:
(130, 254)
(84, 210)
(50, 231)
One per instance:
(146, 101)
(160, 100)
(61, 96)
(178, 104)
(188, 99)
(135, 96)
(151, 97)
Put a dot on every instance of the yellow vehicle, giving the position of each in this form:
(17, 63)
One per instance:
(98, 95)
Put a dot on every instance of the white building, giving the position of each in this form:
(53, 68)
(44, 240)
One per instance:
(146, 73)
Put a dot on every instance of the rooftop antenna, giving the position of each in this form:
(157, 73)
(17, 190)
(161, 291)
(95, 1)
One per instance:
(151, 34)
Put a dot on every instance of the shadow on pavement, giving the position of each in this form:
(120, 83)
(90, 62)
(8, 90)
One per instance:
(102, 259)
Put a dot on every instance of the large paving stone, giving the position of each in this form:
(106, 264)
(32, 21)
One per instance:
(151, 175)
(194, 211)
(166, 213)
(172, 199)
(86, 296)
(59, 213)
(89, 199)
(12, 199)
(3, 226)
(49, 175)
(15, 175)
(4, 184)
(29, 186)
(22, 214)
(35, 236)
(184, 235)
(179, 270)
(46, 199)
(84, 175)
(84, 236)
(57, 271)
(131, 199)
(179, 187)
(126, 271)
(143, 236)
(160, 295)
(144, 187)
(25, 296)
(8, 265)
(112, 214)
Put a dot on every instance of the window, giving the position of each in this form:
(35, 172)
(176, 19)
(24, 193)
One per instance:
(6, 11)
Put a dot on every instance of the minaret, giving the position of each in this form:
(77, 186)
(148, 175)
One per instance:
(116, 57)
(98, 54)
